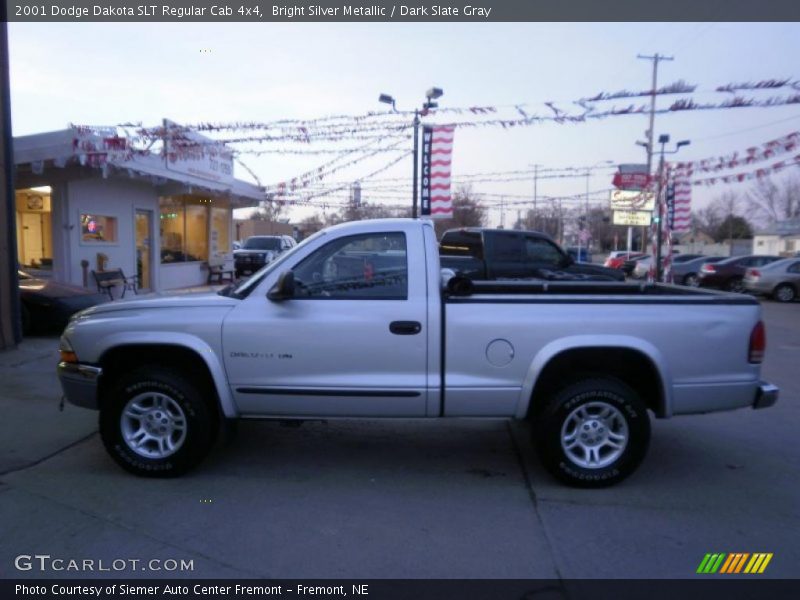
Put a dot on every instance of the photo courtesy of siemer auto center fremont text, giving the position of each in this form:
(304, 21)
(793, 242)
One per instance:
(490, 300)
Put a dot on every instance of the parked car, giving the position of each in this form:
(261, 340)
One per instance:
(48, 305)
(630, 265)
(489, 254)
(642, 265)
(258, 250)
(236, 245)
(355, 323)
(684, 272)
(780, 280)
(617, 259)
(728, 274)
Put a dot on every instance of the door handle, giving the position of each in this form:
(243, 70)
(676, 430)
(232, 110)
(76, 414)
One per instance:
(405, 327)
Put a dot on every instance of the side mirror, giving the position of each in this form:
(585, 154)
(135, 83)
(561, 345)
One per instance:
(283, 288)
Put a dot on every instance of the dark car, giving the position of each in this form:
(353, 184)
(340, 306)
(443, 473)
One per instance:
(491, 254)
(258, 250)
(684, 272)
(728, 274)
(48, 305)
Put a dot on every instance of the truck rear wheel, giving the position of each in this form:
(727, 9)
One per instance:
(593, 433)
(154, 422)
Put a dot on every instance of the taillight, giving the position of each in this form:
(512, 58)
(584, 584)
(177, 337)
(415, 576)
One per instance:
(758, 343)
(753, 273)
(708, 268)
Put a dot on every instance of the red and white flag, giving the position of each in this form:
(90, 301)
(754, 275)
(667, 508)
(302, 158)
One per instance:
(682, 201)
(437, 152)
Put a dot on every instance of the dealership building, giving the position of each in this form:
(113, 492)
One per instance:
(86, 201)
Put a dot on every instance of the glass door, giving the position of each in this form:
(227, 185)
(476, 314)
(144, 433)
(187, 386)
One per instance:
(144, 236)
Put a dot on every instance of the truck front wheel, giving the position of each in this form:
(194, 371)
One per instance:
(154, 422)
(593, 433)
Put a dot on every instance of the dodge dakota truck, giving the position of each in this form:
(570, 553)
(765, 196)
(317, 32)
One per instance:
(359, 321)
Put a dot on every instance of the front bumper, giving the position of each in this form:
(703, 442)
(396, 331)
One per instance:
(79, 383)
(766, 395)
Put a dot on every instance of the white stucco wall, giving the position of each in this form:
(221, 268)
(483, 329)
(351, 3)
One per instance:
(181, 275)
(118, 198)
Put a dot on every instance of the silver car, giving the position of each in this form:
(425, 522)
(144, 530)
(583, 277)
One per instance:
(779, 280)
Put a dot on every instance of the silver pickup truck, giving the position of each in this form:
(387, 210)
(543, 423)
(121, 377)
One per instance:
(359, 322)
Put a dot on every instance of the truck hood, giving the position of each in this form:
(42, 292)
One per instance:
(163, 300)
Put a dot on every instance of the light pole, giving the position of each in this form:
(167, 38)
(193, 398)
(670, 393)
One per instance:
(432, 94)
(583, 221)
(663, 139)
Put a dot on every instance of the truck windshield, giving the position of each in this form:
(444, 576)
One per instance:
(243, 289)
(262, 243)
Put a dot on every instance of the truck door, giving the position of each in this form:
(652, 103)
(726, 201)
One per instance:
(350, 342)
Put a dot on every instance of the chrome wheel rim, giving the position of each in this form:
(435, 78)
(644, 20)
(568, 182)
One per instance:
(736, 286)
(594, 435)
(153, 425)
(692, 281)
(785, 294)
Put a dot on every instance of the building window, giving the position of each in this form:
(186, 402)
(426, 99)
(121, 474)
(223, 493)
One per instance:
(220, 231)
(98, 228)
(192, 229)
(172, 221)
(196, 230)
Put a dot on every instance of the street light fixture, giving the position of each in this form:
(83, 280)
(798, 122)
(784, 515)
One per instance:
(431, 95)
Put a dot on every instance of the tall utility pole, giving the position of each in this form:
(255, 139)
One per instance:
(656, 58)
(535, 196)
(10, 324)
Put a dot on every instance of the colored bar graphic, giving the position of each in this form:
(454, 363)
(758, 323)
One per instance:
(729, 564)
(733, 563)
(703, 563)
(741, 562)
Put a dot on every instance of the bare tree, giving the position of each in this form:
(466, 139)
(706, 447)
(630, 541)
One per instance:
(770, 201)
(467, 212)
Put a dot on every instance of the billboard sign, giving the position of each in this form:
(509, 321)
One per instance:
(634, 218)
(629, 200)
(631, 177)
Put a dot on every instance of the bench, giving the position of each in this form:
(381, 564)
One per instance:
(108, 280)
(220, 271)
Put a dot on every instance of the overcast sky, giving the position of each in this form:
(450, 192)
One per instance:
(103, 74)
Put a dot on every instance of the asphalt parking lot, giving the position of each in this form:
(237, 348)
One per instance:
(439, 499)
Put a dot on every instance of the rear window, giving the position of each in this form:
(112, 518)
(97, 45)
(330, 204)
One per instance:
(462, 243)
(262, 243)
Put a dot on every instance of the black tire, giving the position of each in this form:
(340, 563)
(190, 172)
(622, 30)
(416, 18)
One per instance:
(735, 284)
(691, 280)
(200, 418)
(559, 415)
(785, 292)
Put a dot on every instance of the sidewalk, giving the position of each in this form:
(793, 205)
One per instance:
(32, 427)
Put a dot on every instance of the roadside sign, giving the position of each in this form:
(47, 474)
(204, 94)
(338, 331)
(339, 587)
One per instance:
(632, 177)
(635, 218)
(630, 200)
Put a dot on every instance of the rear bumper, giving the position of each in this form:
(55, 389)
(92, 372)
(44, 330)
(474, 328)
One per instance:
(79, 383)
(766, 395)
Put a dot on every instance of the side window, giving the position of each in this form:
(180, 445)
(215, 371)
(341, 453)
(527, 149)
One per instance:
(542, 252)
(507, 248)
(369, 266)
(462, 243)
(795, 268)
